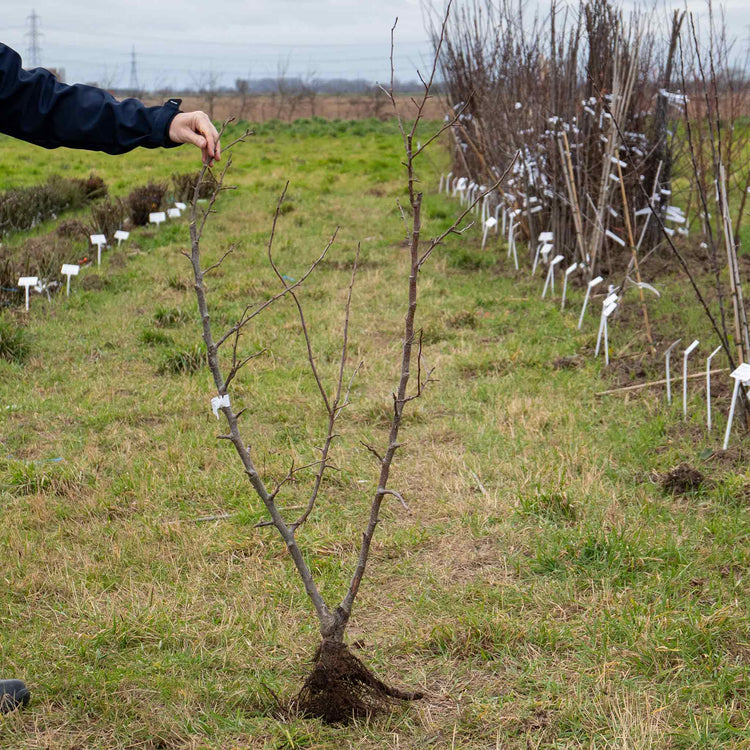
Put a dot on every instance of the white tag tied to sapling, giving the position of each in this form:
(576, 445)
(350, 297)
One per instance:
(27, 282)
(591, 285)
(685, 356)
(121, 235)
(667, 356)
(219, 402)
(100, 241)
(708, 386)
(157, 218)
(614, 237)
(69, 270)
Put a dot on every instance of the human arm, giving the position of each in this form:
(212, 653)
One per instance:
(35, 107)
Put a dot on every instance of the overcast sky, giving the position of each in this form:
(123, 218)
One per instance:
(178, 41)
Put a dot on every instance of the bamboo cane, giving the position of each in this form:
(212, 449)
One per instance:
(629, 227)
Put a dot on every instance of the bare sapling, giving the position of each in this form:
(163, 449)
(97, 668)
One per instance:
(340, 687)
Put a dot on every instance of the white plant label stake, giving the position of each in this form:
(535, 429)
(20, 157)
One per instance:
(666, 361)
(741, 376)
(100, 241)
(608, 307)
(27, 282)
(708, 386)
(121, 235)
(685, 356)
(157, 218)
(488, 224)
(180, 205)
(568, 271)
(592, 284)
(69, 270)
(173, 213)
(550, 280)
(608, 310)
(512, 243)
(498, 208)
(543, 249)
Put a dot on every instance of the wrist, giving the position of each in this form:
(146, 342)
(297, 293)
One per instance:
(172, 109)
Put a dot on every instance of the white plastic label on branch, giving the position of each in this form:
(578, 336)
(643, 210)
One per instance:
(219, 402)
(614, 237)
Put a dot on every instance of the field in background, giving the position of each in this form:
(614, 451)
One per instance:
(545, 591)
(288, 108)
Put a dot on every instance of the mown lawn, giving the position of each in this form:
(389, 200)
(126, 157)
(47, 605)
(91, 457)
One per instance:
(544, 590)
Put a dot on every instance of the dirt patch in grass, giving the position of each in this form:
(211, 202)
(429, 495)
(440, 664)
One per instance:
(681, 479)
(735, 456)
(572, 362)
(92, 282)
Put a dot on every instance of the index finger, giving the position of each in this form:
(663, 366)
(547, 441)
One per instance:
(215, 140)
(208, 131)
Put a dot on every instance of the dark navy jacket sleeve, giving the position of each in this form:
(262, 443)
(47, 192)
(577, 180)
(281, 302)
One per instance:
(36, 108)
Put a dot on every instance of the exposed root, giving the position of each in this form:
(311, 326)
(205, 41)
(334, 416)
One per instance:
(341, 688)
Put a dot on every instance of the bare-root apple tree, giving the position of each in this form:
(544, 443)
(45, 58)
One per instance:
(340, 687)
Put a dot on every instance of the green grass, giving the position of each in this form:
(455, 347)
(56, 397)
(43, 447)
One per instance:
(544, 592)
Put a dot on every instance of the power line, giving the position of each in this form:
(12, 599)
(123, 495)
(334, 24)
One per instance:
(33, 34)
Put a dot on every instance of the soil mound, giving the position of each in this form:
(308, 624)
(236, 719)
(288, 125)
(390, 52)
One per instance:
(681, 480)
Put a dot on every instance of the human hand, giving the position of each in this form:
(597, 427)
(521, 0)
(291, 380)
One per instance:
(196, 128)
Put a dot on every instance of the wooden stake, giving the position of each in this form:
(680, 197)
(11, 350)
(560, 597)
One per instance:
(638, 386)
(569, 175)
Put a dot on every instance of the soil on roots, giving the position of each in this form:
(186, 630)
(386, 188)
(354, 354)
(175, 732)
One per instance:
(341, 688)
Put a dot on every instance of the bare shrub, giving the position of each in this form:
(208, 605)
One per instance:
(25, 208)
(184, 185)
(107, 217)
(145, 200)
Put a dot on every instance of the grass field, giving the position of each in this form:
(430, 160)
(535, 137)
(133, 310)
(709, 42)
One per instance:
(544, 591)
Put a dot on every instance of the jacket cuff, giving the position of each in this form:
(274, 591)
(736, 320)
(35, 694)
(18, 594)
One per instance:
(162, 121)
